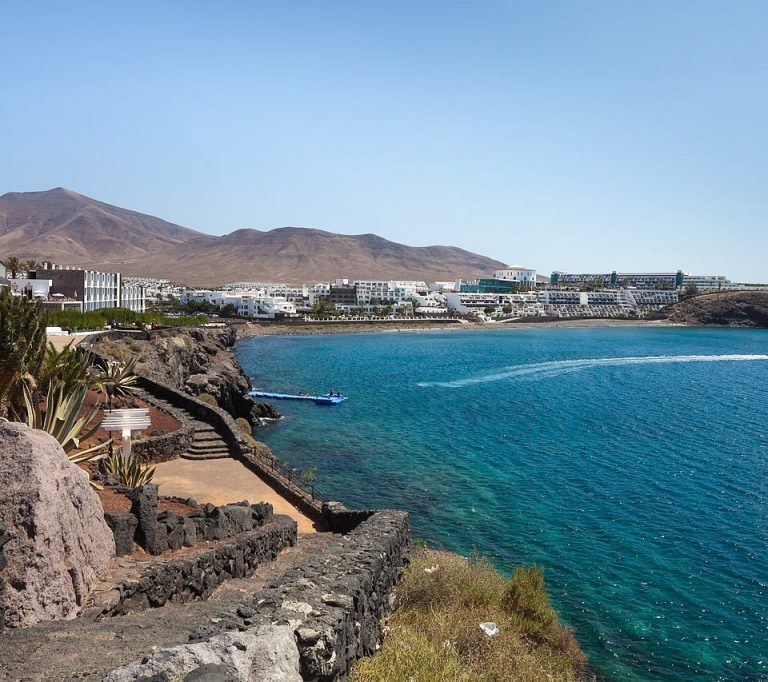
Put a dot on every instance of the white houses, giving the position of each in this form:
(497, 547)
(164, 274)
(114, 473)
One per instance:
(519, 274)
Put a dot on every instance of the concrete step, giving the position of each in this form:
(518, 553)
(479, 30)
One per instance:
(207, 437)
(209, 445)
(206, 455)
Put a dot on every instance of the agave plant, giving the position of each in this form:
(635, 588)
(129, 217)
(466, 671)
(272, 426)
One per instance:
(117, 378)
(62, 419)
(127, 470)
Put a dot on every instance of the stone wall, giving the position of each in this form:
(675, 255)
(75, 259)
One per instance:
(333, 605)
(159, 532)
(155, 449)
(192, 578)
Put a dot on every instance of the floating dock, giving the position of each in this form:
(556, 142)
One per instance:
(324, 399)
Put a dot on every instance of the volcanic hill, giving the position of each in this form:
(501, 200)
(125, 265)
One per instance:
(68, 228)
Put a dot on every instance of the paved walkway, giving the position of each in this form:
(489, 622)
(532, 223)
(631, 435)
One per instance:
(64, 650)
(221, 481)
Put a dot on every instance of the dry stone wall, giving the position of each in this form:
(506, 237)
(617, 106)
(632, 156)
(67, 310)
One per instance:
(195, 577)
(310, 624)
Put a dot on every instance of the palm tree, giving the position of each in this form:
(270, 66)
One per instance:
(13, 265)
(22, 344)
(71, 366)
(31, 265)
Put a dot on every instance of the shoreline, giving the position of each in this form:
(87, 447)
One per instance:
(250, 329)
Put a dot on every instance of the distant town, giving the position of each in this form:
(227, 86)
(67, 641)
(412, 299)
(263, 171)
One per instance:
(510, 293)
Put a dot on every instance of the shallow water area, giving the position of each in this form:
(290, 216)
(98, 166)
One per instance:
(631, 463)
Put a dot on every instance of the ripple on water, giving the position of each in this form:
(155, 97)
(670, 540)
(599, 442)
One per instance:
(632, 464)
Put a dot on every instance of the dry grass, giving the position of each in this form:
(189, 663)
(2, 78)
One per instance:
(435, 635)
(245, 427)
(209, 399)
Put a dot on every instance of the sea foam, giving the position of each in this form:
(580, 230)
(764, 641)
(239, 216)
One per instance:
(546, 370)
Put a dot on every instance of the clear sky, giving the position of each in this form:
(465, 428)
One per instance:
(578, 136)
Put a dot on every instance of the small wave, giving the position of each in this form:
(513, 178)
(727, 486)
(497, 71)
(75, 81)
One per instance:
(547, 370)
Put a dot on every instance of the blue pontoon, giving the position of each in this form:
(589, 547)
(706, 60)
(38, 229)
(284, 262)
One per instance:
(324, 399)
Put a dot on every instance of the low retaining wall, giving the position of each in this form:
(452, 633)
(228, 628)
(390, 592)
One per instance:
(156, 449)
(158, 532)
(312, 623)
(195, 577)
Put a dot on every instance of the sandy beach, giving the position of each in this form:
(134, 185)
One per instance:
(276, 329)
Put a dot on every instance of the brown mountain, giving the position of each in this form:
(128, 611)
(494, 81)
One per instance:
(71, 229)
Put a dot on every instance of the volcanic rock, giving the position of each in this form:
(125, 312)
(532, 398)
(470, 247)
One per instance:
(60, 543)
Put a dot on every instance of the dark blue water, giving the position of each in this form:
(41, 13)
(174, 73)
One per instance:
(631, 463)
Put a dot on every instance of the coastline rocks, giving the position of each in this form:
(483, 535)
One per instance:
(198, 362)
(60, 544)
(730, 308)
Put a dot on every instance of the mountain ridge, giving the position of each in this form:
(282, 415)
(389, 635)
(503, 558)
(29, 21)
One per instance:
(69, 228)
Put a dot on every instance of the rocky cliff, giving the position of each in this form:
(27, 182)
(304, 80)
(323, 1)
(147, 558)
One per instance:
(198, 361)
(731, 309)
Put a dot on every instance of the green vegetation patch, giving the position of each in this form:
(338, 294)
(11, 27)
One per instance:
(435, 634)
(98, 319)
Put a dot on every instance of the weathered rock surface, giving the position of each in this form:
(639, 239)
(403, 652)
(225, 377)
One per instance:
(731, 308)
(59, 543)
(264, 654)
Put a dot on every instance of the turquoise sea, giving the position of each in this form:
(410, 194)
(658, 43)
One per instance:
(632, 463)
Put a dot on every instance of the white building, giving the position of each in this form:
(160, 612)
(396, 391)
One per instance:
(36, 289)
(94, 289)
(387, 291)
(518, 274)
(133, 297)
(202, 296)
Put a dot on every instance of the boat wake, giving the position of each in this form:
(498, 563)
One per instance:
(546, 370)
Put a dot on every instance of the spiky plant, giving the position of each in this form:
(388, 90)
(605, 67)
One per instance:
(71, 366)
(113, 377)
(22, 344)
(128, 471)
(62, 419)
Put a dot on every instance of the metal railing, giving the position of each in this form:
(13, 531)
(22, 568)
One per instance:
(293, 476)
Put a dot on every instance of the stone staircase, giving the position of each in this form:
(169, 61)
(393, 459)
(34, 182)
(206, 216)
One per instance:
(208, 443)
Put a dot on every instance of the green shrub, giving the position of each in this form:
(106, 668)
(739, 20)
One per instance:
(525, 594)
(98, 319)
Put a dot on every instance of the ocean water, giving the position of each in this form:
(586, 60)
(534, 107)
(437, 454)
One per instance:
(632, 464)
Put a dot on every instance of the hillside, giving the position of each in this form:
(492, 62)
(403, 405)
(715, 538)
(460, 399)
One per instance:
(68, 228)
(732, 309)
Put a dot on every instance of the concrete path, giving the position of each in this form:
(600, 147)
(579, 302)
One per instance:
(221, 481)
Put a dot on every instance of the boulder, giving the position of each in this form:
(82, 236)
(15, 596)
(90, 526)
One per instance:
(60, 544)
(264, 654)
(123, 525)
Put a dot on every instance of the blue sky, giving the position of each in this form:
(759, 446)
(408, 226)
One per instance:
(563, 135)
